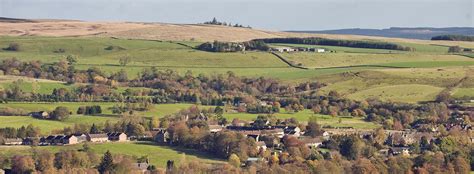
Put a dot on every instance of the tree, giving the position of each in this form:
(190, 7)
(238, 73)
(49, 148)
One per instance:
(71, 59)
(60, 113)
(107, 163)
(23, 164)
(351, 147)
(13, 47)
(94, 129)
(313, 129)
(454, 49)
(234, 160)
(124, 60)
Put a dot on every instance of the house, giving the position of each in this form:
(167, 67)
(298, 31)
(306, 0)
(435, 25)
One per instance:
(283, 49)
(256, 137)
(142, 167)
(261, 145)
(117, 136)
(215, 128)
(405, 151)
(292, 130)
(70, 139)
(97, 138)
(81, 138)
(13, 141)
(47, 140)
(30, 141)
(40, 114)
(320, 50)
(58, 140)
(312, 142)
(251, 160)
(162, 136)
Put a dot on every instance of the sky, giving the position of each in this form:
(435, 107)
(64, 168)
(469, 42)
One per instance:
(263, 14)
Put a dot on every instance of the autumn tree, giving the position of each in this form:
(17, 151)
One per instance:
(234, 160)
(313, 129)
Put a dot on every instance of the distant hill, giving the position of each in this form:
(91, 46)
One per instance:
(424, 33)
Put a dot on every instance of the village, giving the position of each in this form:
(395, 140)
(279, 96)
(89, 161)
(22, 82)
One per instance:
(266, 137)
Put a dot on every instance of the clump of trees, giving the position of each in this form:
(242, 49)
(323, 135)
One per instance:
(13, 47)
(455, 49)
(89, 110)
(217, 46)
(454, 38)
(60, 113)
(214, 21)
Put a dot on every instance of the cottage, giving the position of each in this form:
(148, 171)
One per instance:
(261, 146)
(292, 130)
(47, 140)
(81, 138)
(117, 136)
(312, 142)
(30, 141)
(13, 141)
(70, 139)
(97, 138)
(215, 128)
(58, 140)
(256, 137)
(404, 151)
(40, 114)
(162, 136)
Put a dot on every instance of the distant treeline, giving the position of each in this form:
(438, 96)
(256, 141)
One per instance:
(454, 38)
(333, 42)
(214, 21)
(262, 44)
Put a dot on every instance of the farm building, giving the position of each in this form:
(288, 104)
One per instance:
(215, 128)
(13, 141)
(117, 136)
(40, 114)
(312, 142)
(162, 136)
(97, 138)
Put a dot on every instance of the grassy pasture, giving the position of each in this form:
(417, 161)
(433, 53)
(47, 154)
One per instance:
(304, 115)
(158, 155)
(325, 60)
(47, 126)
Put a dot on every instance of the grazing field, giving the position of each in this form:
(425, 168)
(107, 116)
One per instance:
(157, 155)
(401, 93)
(46, 126)
(325, 60)
(303, 116)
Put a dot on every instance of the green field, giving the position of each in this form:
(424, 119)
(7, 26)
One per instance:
(325, 60)
(303, 116)
(158, 155)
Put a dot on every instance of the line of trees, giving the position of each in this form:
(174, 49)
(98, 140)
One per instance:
(334, 42)
(454, 38)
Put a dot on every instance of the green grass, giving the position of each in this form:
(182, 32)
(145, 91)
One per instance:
(325, 60)
(462, 92)
(401, 93)
(158, 155)
(47, 126)
(304, 115)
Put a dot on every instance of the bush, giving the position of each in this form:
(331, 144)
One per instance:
(60, 113)
(13, 47)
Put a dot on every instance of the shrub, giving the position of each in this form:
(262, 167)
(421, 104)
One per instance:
(13, 47)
